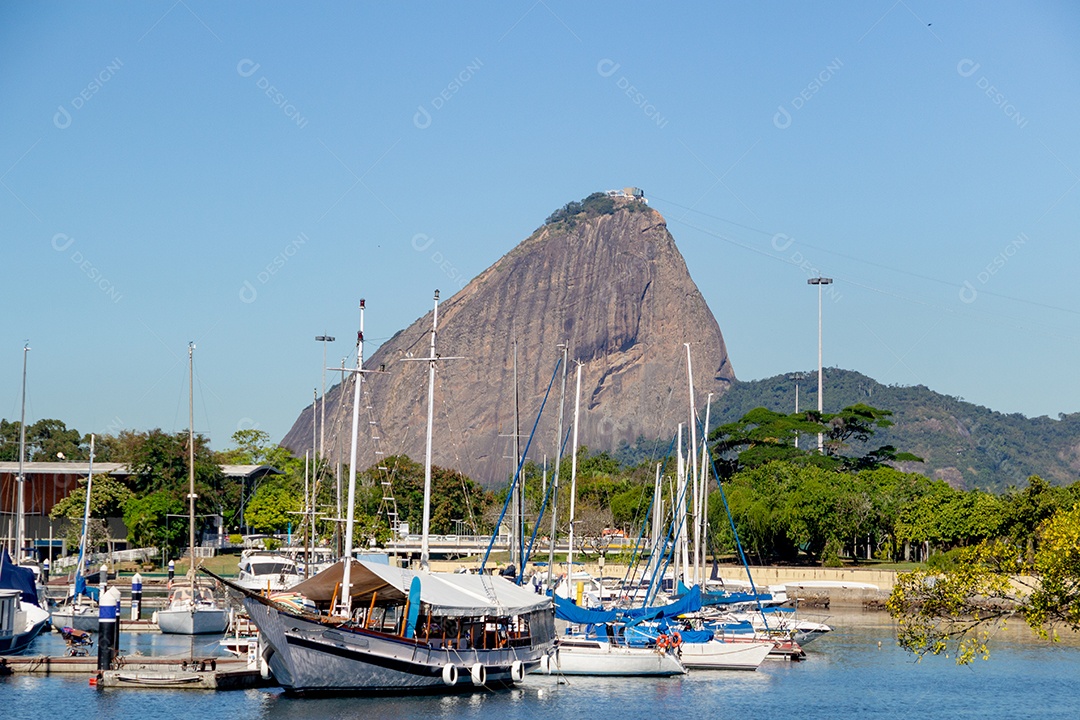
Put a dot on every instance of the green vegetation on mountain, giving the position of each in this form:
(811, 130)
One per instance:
(968, 445)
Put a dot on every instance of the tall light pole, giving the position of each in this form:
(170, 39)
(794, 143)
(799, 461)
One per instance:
(819, 281)
(797, 377)
(322, 419)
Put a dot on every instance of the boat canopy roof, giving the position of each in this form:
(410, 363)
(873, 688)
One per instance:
(13, 577)
(448, 594)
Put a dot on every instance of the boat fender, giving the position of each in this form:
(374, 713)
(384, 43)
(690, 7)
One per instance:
(449, 674)
(545, 664)
(153, 618)
(517, 671)
(478, 673)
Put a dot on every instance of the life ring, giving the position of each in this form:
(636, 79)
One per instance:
(676, 639)
(661, 642)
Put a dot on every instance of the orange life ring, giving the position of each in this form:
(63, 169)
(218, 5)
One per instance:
(661, 642)
(676, 639)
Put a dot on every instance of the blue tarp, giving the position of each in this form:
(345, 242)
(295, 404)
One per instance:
(566, 610)
(688, 603)
(697, 636)
(13, 577)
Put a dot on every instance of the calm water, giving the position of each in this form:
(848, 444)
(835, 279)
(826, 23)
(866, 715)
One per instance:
(846, 676)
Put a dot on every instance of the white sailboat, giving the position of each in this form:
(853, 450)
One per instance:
(193, 608)
(590, 656)
(380, 629)
(79, 611)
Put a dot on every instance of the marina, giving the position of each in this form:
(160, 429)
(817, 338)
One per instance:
(855, 672)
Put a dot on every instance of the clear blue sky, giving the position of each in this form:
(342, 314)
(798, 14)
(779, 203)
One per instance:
(241, 174)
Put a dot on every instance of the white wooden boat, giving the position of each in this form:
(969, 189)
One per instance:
(366, 627)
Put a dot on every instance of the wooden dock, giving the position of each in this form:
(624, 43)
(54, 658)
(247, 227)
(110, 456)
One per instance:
(146, 672)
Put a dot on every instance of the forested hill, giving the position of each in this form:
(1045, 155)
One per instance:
(968, 445)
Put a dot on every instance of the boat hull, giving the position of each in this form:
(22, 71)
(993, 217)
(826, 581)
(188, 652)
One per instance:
(715, 655)
(309, 657)
(85, 620)
(601, 658)
(201, 621)
(20, 623)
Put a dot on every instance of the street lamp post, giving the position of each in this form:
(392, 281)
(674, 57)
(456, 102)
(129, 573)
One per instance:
(819, 281)
(322, 417)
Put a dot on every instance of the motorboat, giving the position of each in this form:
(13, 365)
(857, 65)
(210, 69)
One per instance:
(265, 571)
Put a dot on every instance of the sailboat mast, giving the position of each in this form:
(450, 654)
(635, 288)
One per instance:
(693, 465)
(358, 377)
(657, 526)
(704, 492)
(20, 511)
(682, 556)
(573, 470)
(80, 568)
(304, 516)
(191, 460)
(424, 548)
(555, 477)
(517, 542)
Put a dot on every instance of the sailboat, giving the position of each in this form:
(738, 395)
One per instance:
(193, 608)
(379, 629)
(80, 610)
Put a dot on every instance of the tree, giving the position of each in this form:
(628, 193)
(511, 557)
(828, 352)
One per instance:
(956, 612)
(148, 523)
(762, 436)
(273, 508)
(45, 441)
(107, 499)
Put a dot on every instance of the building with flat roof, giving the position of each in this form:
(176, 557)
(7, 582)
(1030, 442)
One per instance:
(47, 483)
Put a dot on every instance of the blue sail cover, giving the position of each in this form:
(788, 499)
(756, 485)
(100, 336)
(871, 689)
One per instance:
(566, 610)
(13, 577)
(81, 588)
(688, 603)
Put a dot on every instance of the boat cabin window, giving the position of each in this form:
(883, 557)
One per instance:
(271, 568)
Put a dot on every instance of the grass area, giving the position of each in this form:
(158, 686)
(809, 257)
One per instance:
(224, 565)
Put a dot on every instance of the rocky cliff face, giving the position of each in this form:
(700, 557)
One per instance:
(609, 284)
